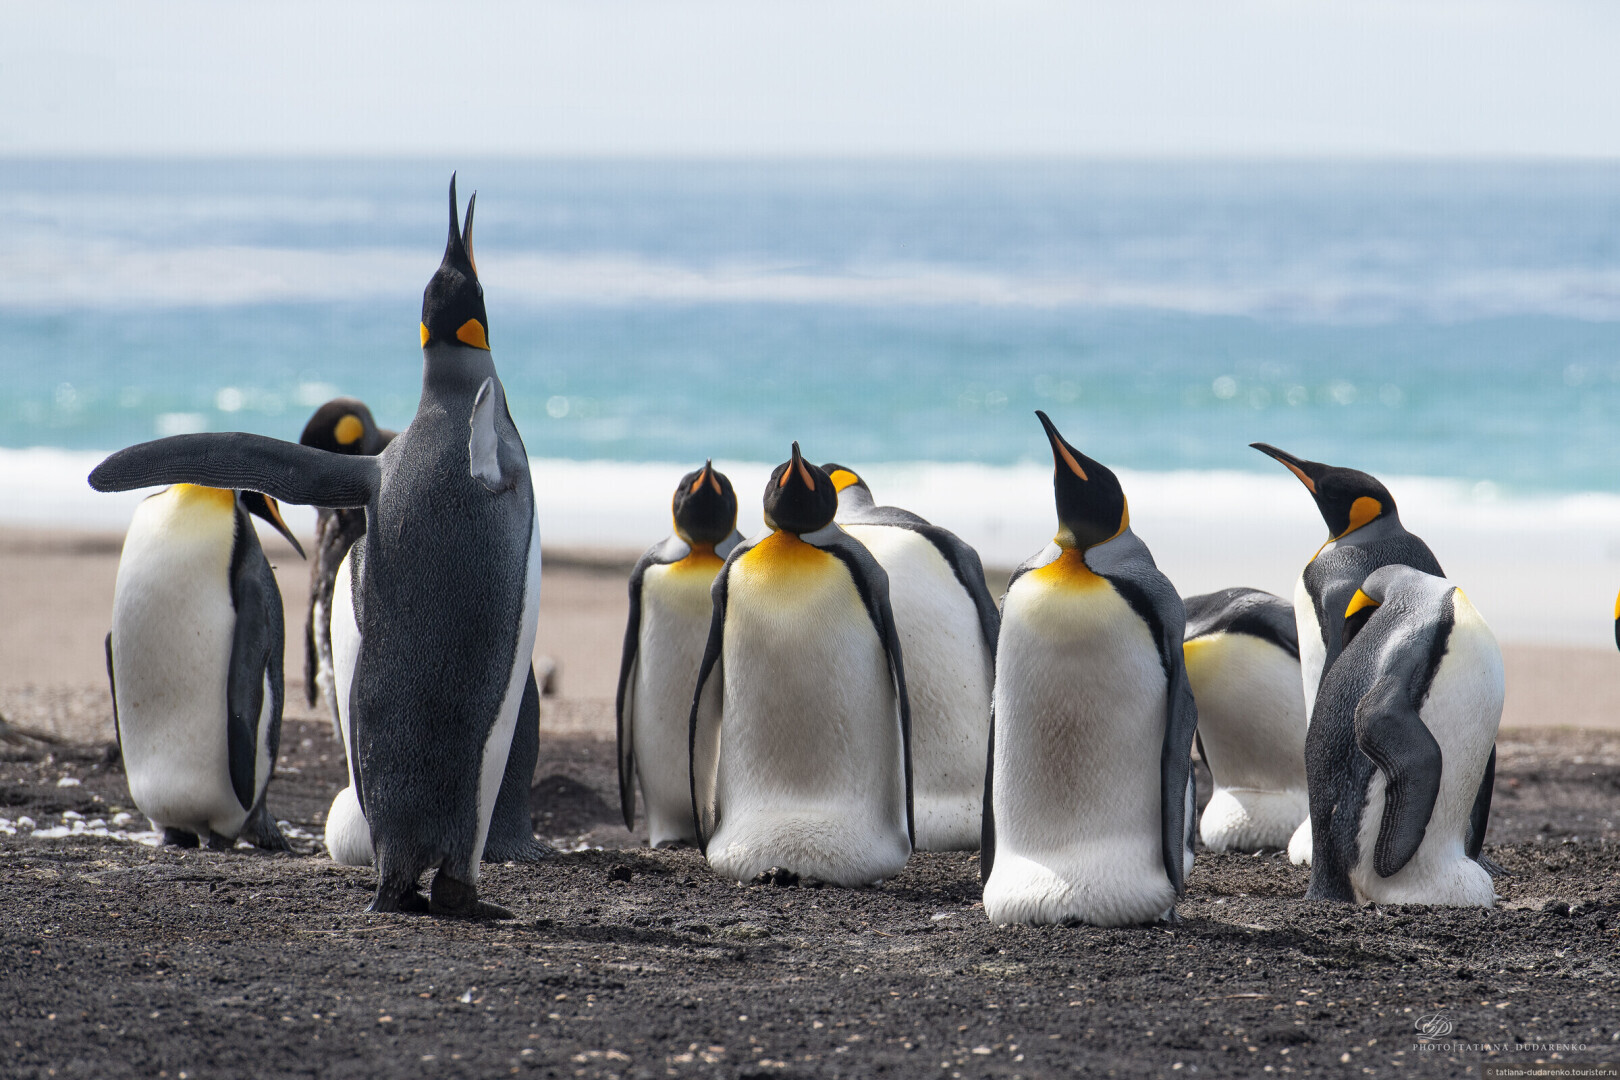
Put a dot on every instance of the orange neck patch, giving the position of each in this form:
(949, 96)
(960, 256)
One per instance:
(782, 554)
(1069, 571)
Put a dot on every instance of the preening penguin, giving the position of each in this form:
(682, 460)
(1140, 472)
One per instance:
(343, 426)
(1364, 533)
(446, 593)
(948, 622)
(1401, 747)
(670, 612)
(195, 661)
(1089, 797)
(1243, 664)
(800, 728)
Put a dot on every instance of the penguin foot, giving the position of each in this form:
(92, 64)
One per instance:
(672, 845)
(410, 901)
(262, 832)
(180, 838)
(460, 900)
(782, 879)
(221, 842)
(1492, 867)
(532, 850)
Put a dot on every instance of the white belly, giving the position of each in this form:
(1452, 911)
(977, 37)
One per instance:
(676, 612)
(1080, 720)
(1251, 724)
(348, 837)
(1462, 712)
(810, 774)
(172, 627)
(949, 672)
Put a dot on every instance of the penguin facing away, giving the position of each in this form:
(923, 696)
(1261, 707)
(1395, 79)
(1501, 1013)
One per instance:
(670, 613)
(343, 426)
(1089, 795)
(1243, 664)
(1364, 533)
(948, 622)
(195, 663)
(800, 728)
(446, 591)
(1401, 742)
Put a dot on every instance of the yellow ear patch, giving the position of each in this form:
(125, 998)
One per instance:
(1362, 512)
(843, 478)
(471, 333)
(348, 430)
(1358, 602)
(424, 334)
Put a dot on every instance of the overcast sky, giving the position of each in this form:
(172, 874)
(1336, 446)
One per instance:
(821, 77)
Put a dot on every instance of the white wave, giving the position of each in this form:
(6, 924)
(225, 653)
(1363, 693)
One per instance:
(1540, 568)
(59, 274)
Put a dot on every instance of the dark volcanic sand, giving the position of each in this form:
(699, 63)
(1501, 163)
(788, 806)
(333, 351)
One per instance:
(121, 960)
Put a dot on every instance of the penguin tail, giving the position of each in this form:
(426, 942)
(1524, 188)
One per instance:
(283, 470)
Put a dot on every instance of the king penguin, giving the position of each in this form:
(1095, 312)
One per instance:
(948, 624)
(195, 662)
(446, 590)
(1089, 795)
(1364, 533)
(1243, 664)
(670, 612)
(343, 426)
(801, 727)
(1400, 745)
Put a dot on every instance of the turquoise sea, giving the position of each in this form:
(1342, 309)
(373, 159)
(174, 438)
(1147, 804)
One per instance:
(1445, 320)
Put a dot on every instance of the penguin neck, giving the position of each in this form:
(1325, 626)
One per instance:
(854, 499)
(1382, 527)
(455, 368)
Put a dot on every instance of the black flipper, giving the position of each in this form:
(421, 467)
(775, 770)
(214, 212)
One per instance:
(283, 470)
(703, 731)
(511, 830)
(256, 647)
(1480, 816)
(112, 686)
(987, 823)
(872, 582)
(1127, 564)
(1392, 734)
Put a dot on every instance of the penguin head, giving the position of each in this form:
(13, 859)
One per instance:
(263, 506)
(1403, 585)
(800, 497)
(705, 507)
(1346, 498)
(345, 426)
(1091, 505)
(453, 303)
(852, 490)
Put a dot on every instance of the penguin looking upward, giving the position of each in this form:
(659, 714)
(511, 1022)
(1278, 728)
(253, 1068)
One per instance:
(195, 662)
(446, 592)
(1364, 533)
(670, 612)
(342, 426)
(948, 624)
(1089, 795)
(800, 729)
(1401, 744)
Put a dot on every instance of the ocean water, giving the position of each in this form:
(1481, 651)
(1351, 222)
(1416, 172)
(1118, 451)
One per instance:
(1457, 321)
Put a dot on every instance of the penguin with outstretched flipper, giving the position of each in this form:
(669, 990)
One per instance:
(446, 585)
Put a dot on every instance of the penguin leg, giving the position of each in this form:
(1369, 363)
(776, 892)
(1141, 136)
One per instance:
(220, 842)
(179, 838)
(511, 831)
(398, 894)
(459, 899)
(261, 829)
